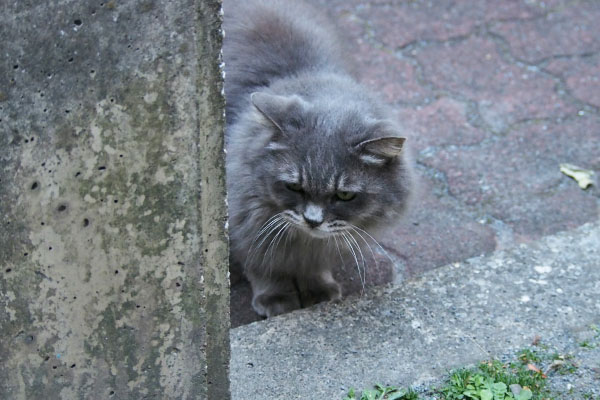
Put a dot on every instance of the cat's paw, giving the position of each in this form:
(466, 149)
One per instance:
(270, 305)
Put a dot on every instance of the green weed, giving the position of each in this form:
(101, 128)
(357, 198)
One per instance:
(595, 341)
(383, 393)
(521, 379)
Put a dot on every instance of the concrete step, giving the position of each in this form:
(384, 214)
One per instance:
(412, 334)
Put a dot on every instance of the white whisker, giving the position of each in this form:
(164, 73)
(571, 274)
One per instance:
(361, 255)
(375, 241)
(273, 228)
(367, 243)
(278, 237)
(268, 223)
(348, 243)
(265, 232)
(338, 250)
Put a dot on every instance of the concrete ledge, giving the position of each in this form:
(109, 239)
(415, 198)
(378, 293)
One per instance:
(412, 334)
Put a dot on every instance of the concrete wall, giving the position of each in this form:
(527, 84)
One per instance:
(113, 254)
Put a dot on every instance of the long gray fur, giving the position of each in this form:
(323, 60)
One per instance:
(314, 161)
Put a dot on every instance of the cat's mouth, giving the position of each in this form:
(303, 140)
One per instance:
(324, 230)
(316, 232)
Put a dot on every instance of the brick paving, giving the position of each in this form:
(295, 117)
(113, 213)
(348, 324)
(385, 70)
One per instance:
(493, 95)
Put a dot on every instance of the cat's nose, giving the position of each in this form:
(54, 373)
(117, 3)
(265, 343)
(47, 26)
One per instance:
(313, 215)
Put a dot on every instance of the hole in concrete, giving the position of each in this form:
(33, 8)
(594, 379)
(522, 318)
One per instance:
(121, 155)
(62, 207)
(177, 284)
(77, 173)
(70, 59)
(116, 271)
(72, 365)
(34, 185)
(50, 248)
(8, 270)
(47, 358)
(86, 222)
(16, 66)
(43, 223)
(77, 22)
(102, 168)
(115, 201)
(54, 367)
(67, 111)
(25, 254)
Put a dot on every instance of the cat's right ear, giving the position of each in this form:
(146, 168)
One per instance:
(279, 110)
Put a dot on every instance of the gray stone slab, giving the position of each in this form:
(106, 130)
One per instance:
(113, 255)
(414, 333)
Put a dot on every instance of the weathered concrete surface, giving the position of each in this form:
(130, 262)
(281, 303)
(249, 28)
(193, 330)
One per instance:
(493, 96)
(414, 333)
(113, 280)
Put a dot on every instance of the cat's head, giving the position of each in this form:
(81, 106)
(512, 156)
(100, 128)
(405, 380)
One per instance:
(328, 166)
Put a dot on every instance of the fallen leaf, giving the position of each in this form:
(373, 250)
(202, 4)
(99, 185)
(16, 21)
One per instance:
(532, 367)
(582, 176)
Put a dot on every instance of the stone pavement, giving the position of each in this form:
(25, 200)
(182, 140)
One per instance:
(457, 315)
(493, 95)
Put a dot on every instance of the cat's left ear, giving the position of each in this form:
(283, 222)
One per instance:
(386, 147)
(379, 150)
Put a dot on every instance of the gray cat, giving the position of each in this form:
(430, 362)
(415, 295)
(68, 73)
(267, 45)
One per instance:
(314, 161)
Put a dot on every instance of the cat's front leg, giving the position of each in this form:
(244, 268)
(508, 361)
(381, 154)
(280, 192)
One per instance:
(272, 297)
(318, 288)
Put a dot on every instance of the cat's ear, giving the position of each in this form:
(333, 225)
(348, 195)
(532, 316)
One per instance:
(387, 147)
(279, 110)
(379, 150)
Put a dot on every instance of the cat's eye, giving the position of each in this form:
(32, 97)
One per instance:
(345, 196)
(294, 187)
